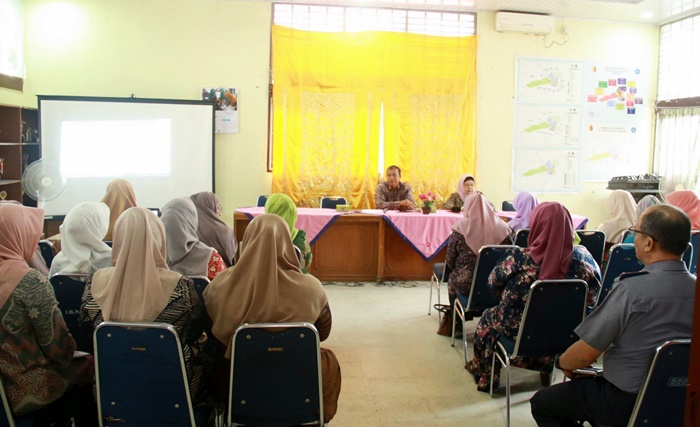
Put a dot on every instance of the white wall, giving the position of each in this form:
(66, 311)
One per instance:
(173, 48)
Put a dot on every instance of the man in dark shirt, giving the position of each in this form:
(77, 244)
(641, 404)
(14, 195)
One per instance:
(394, 194)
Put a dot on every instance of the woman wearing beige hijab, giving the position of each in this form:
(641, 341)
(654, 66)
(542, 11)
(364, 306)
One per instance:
(267, 285)
(120, 196)
(140, 288)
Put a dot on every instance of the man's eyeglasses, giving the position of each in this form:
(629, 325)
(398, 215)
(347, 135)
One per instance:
(633, 232)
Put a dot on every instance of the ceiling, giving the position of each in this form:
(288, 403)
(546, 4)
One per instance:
(655, 12)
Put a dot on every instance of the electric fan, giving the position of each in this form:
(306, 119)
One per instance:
(42, 181)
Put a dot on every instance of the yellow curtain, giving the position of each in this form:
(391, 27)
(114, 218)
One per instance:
(328, 93)
(430, 110)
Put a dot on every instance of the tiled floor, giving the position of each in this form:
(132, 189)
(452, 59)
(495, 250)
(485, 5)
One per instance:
(398, 372)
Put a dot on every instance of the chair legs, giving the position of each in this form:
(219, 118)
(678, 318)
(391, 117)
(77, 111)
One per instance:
(434, 284)
(505, 361)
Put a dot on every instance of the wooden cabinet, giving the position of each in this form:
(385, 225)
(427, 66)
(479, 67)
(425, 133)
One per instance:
(19, 146)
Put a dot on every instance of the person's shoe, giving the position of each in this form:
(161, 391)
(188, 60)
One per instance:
(469, 366)
(546, 379)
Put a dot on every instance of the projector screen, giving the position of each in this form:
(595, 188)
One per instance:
(165, 148)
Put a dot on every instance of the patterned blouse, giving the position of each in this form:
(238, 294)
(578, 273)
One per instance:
(454, 201)
(184, 312)
(216, 265)
(302, 243)
(389, 198)
(461, 261)
(36, 350)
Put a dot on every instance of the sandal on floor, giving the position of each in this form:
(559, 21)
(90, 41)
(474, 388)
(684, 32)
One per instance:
(469, 366)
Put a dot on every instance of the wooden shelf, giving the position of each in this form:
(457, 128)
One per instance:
(19, 146)
(10, 181)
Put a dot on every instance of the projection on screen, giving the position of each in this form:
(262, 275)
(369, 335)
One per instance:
(163, 147)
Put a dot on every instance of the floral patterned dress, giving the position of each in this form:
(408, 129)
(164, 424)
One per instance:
(302, 242)
(461, 260)
(510, 282)
(36, 351)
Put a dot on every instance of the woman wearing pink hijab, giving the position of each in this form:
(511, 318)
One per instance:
(550, 254)
(480, 226)
(466, 186)
(38, 368)
(688, 202)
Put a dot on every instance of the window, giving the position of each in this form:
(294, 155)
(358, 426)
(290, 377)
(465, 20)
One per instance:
(677, 145)
(11, 44)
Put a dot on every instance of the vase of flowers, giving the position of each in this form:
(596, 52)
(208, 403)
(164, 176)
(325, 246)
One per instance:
(428, 200)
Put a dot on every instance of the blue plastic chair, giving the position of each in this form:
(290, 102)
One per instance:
(622, 259)
(141, 376)
(261, 201)
(480, 297)
(332, 202)
(521, 237)
(594, 241)
(695, 241)
(68, 289)
(47, 251)
(661, 400)
(275, 375)
(553, 310)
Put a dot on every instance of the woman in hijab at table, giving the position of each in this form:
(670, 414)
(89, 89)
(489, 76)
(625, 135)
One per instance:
(623, 211)
(550, 254)
(212, 231)
(466, 186)
(37, 262)
(266, 285)
(480, 226)
(141, 288)
(282, 205)
(688, 202)
(120, 196)
(186, 254)
(37, 364)
(523, 203)
(83, 250)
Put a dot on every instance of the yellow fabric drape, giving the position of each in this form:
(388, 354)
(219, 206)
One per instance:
(328, 93)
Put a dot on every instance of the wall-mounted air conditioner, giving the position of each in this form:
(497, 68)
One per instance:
(510, 22)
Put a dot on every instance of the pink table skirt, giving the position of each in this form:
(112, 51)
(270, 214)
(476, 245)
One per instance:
(426, 234)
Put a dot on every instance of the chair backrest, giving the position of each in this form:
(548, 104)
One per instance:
(332, 201)
(6, 417)
(626, 238)
(141, 377)
(275, 375)
(69, 294)
(521, 237)
(47, 251)
(261, 201)
(695, 241)
(622, 259)
(553, 310)
(200, 284)
(661, 401)
(507, 206)
(480, 296)
(594, 241)
(688, 256)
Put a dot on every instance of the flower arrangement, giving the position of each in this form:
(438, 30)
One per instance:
(428, 199)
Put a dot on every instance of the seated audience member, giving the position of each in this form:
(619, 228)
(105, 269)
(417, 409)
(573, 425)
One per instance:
(38, 367)
(185, 253)
(394, 194)
(550, 254)
(523, 203)
(642, 205)
(120, 196)
(212, 231)
(282, 205)
(643, 310)
(266, 285)
(480, 226)
(83, 250)
(623, 212)
(688, 202)
(466, 186)
(141, 288)
(37, 262)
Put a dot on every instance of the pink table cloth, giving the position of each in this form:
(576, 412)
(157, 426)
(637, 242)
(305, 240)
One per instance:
(579, 221)
(426, 234)
(312, 220)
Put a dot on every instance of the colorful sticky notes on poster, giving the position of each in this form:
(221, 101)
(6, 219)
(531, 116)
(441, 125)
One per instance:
(612, 82)
(602, 84)
(599, 91)
(620, 106)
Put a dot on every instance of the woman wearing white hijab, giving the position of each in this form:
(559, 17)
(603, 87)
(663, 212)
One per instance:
(623, 214)
(141, 288)
(83, 250)
(186, 254)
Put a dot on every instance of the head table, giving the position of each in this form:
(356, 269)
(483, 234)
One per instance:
(371, 244)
